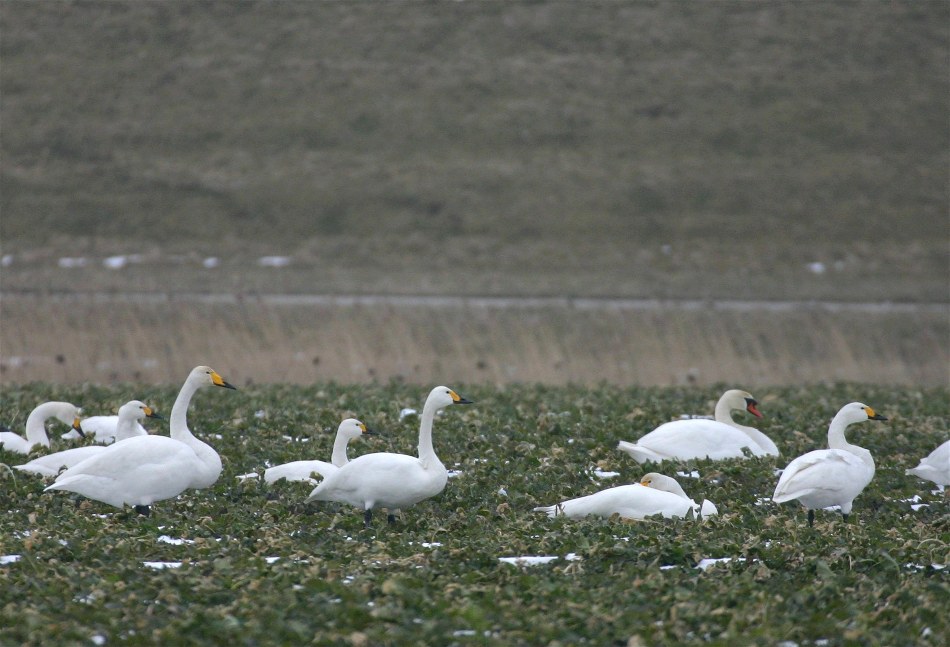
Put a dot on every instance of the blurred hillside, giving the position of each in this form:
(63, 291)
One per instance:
(617, 148)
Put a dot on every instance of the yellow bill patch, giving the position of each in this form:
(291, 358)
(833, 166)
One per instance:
(869, 411)
(217, 379)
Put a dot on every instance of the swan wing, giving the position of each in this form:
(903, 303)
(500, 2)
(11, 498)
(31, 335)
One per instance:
(629, 501)
(51, 464)
(299, 471)
(13, 442)
(685, 439)
(935, 466)
(381, 479)
(824, 471)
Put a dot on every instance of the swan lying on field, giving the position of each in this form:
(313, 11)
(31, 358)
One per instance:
(935, 466)
(129, 414)
(392, 481)
(715, 439)
(145, 469)
(66, 413)
(302, 470)
(104, 429)
(834, 476)
(654, 494)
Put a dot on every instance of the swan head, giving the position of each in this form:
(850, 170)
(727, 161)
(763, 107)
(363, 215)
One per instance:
(662, 482)
(741, 400)
(68, 414)
(138, 410)
(857, 412)
(443, 396)
(203, 375)
(353, 428)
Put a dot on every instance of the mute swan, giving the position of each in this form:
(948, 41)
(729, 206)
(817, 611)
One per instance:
(392, 481)
(935, 466)
(65, 412)
(145, 469)
(654, 494)
(835, 476)
(104, 429)
(714, 439)
(301, 470)
(129, 414)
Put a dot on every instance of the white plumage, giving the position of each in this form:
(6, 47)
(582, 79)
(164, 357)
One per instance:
(66, 413)
(348, 430)
(935, 466)
(715, 439)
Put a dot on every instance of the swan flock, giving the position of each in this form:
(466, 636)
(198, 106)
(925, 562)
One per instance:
(127, 466)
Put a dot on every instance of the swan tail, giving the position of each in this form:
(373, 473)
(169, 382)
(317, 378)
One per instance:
(639, 454)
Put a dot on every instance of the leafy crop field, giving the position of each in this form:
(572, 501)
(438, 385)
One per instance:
(246, 563)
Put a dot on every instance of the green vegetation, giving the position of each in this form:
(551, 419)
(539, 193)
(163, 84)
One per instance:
(434, 577)
(508, 147)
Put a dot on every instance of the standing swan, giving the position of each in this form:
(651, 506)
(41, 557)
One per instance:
(935, 466)
(301, 470)
(835, 476)
(66, 413)
(129, 415)
(715, 439)
(654, 494)
(392, 481)
(145, 469)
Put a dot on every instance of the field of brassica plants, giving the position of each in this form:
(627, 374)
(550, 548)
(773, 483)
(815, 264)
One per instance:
(246, 563)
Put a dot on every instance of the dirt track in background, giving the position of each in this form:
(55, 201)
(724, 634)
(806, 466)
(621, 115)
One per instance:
(105, 338)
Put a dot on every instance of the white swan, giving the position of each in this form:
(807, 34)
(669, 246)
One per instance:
(302, 470)
(935, 466)
(51, 464)
(834, 476)
(392, 481)
(654, 494)
(104, 429)
(716, 439)
(65, 412)
(145, 469)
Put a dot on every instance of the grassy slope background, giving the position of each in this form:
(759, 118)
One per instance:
(520, 148)
(434, 578)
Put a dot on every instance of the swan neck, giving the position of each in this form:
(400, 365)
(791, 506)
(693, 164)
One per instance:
(724, 413)
(35, 423)
(837, 440)
(426, 451)
(124, 428)
(178, 420)
(338, 457)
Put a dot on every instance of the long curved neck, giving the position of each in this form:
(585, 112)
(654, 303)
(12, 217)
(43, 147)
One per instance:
(125, 427)
(338, 457)
(178, 421)
(426, 451)
(836, 440)
(35, 423)
(724, 413)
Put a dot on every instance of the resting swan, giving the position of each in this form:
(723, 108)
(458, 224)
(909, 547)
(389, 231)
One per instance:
(834, 476)
(654, 494)
(129, 415)
(104, 429)
(392, 481)
(145, 469)
(66, 413)
(715, 439)
(301, 470)
(935, 466)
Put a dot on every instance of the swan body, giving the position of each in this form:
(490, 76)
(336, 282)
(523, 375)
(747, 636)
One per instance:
(104, 429)
(715, 439)
(654, 494)
(833, 476)
(388, 480)
(302, 470)
(129, 415)
(935, 466)
(65, 412)
(145, 469)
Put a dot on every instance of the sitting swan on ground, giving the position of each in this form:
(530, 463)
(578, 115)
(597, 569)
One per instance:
(388, 480)
(834, 476)
(715, 439)
(935, 466)
(66, 413)
(51, 464)
(104, 429)
(302, 470)
(654, 494)
(145, 469)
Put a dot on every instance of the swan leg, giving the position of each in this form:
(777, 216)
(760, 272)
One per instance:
(391, 518)
(368, 517)
(811, 518)
(845, 517)
(143, 510)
